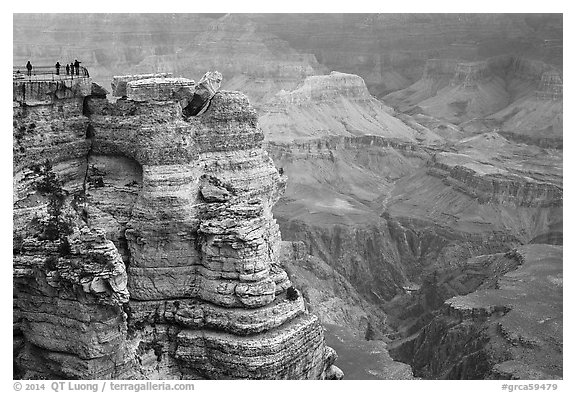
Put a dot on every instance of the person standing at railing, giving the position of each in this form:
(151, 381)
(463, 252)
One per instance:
(57, 68)
(72, 70)
(29, 68)
(67, 69)
(77, 66)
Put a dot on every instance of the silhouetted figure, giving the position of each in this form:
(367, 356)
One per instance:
(72, 70)
(67, 69)
(57, 68)
(29, 68)
(77, 67)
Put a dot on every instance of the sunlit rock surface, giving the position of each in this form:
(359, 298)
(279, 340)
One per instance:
(148, 238)
(337, 104)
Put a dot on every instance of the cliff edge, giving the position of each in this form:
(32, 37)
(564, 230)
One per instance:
(144, 242)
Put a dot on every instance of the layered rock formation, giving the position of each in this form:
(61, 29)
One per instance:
(520, 98)
(389, 50)
(145, 245)
(333, 201)
(484, 197)
(355, 327)
(550, 87)
(333, 105)
(425, 204)
(386, 214)
(510, 328)
(120, 83)
(474, 89)
(536, 117)
(383, 213)
(376, 207)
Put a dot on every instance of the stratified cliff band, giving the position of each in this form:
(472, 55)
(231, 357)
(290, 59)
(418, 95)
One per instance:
(144, 242)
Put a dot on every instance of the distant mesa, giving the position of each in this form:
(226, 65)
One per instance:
(337, 104)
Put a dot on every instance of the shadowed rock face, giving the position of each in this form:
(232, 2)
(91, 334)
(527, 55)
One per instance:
(146, 245)
(509, 328)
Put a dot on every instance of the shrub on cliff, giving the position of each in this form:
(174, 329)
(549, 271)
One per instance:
(57, 228)
(291, 294)
(370, 333)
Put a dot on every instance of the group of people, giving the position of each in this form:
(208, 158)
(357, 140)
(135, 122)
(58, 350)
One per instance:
(71, 68)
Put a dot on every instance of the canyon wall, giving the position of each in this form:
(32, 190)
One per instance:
(519, 97)
(144, 243)
(389, 50)
(508, 327)
(381, 195)
(337, 104)
(409, 206)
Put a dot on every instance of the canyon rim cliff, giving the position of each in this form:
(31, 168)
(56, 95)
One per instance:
(288, 196)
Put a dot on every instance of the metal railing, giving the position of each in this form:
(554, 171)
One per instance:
(48, 73)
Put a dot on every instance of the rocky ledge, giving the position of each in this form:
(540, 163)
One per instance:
(511, 329)
(145, 246)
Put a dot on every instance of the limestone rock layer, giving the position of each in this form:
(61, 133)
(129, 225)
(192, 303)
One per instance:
(144, 242)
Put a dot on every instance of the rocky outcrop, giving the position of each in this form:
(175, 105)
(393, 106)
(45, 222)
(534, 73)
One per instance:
(336, 189)
(493, 185)
(337, 104)
(68, 308)
(120, 83)
(468, 74)
(550, 87)
(511, 329)
(364, 254)
(518, 97)
(159, 89)
(355, 326)
(158, 226)
(70, 281)
(203, 93)
(326, 88)
(382, 212)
